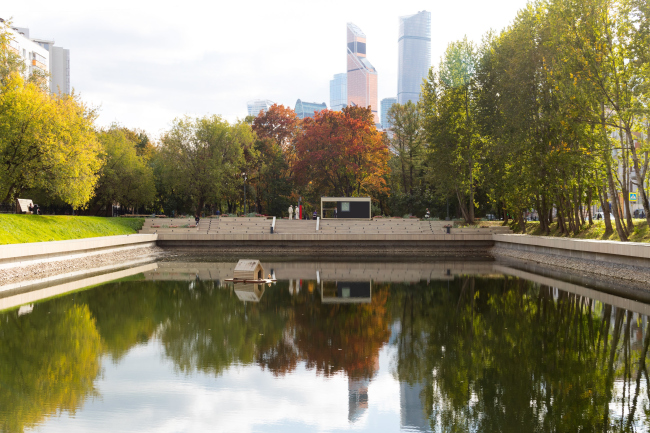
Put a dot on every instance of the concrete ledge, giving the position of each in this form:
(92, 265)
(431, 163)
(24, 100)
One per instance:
(626, 253)
(17, 254)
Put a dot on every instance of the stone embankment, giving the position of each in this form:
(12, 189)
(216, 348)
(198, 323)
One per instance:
(624, 261)
(33, 263)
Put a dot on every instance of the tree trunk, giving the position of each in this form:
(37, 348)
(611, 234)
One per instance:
(640, 172)
(604, 204)
(590, 194)
(614, 194)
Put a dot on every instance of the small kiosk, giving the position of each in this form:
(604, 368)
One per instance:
(346, 207)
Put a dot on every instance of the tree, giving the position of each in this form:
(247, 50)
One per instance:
(450, 125)
(125, 178)
(48, 142)
(342, 153)
(407, 145)
(201, 158)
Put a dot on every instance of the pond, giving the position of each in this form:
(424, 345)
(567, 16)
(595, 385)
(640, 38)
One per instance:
(329, 347)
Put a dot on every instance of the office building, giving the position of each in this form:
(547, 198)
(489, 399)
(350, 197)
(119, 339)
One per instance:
(257, 105)
(386, 103)
(55, 60)
(307, 109)
(361, 76)
(414, 55)
(339, 92)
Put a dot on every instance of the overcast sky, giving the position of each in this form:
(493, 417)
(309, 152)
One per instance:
(146, 62)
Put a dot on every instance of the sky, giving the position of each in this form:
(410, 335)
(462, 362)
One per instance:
(143, 63)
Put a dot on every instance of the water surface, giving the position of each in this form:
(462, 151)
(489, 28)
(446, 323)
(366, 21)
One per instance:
(467, 347)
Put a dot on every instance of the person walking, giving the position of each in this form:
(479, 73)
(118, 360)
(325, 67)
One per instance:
(290, 212)
(315, 214)
(296, 210)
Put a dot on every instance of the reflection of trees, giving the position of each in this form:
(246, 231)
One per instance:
(208, 328)
(505, 355)
(49, 360)
(342, 337)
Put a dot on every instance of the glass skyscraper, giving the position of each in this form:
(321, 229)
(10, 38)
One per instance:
(339, 92)
(386, 103)
(257, 105)
(307, 109)
(362, 76)
(414, 55)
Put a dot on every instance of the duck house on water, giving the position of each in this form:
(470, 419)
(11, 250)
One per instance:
(248, 270)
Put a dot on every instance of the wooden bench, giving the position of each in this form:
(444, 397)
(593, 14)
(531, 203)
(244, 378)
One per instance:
(22, 205)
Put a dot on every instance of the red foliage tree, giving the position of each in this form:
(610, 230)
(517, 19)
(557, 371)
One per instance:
(342, 153)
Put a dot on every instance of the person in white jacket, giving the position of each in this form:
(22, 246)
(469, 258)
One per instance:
(290, 212)
(297, 212)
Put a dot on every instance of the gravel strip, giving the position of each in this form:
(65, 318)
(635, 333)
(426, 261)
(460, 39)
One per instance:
(47, 269)
(594, 267)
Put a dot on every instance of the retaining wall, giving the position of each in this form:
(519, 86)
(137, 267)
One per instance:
(623, 253)
(31, 253)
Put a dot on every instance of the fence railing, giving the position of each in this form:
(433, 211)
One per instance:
(8, 207)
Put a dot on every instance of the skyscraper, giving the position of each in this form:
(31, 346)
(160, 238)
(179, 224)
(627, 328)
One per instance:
(306, 109)
(414, 55)
(386, 103)
(257, 105)
(339, 92)
(362, 76)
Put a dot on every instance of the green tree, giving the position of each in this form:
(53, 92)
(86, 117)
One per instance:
(450, 124)
(201, 159)
(125, 178)
(46, 142)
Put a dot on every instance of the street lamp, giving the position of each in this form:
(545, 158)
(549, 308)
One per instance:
(244, 174)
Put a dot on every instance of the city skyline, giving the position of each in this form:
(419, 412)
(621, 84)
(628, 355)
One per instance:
(414, 55)
(143, 64)
(362, 76)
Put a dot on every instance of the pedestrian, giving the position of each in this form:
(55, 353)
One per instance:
(336, 213)
(296, 210)
(315, 214)
(428, 214)
(197, 218)
(290, 212)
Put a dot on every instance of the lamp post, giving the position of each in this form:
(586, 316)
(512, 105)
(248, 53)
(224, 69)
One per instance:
(244, 174)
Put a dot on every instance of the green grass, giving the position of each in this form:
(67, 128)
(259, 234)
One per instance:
(17, 229)
(640, 233)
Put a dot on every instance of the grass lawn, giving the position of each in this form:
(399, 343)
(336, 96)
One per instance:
(640, 233)
(16, 229)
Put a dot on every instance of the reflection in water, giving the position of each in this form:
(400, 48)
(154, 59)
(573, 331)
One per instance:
(486, 353)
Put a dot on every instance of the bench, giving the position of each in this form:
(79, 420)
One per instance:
(22, 205)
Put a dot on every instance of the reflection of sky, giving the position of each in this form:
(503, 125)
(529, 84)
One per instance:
(143, 393)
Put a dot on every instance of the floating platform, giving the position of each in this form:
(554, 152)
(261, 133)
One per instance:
(262, 281)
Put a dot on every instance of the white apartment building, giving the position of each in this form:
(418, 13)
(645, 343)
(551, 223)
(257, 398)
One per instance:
(45, 56)
(34, 56)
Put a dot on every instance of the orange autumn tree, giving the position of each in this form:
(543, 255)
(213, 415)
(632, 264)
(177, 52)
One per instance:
(342, 154)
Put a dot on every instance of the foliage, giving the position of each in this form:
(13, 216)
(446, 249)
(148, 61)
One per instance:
(125, 177)
(46, 142)
(201, 159)
(342, 154)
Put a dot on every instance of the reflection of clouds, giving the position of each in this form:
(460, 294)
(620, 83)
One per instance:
(142, 394)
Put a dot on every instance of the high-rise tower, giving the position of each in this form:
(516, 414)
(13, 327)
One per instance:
(414, 55)
(362, 76)
(339, 92)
